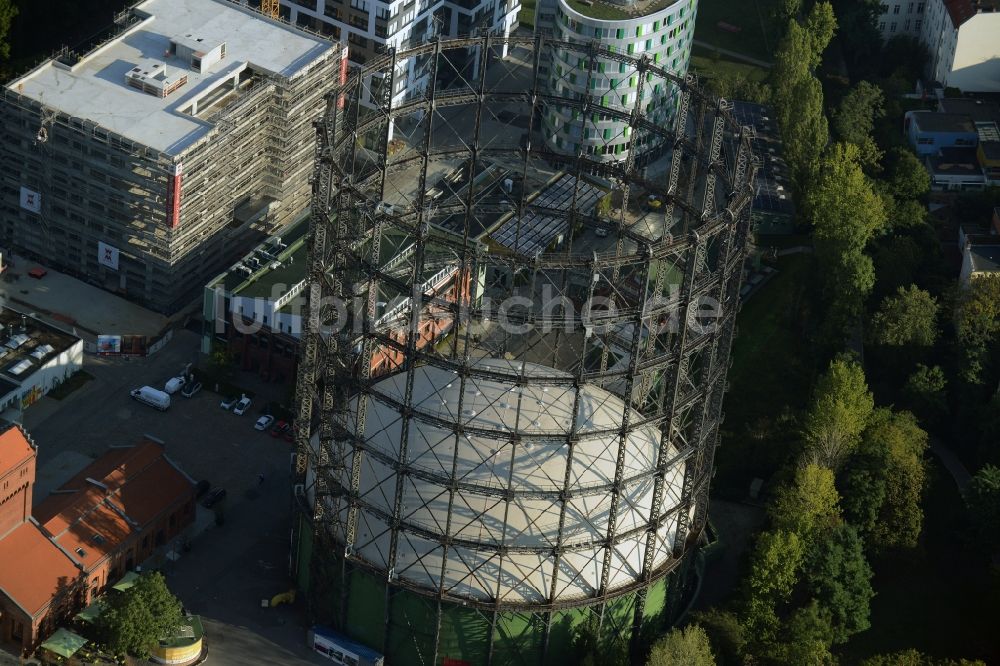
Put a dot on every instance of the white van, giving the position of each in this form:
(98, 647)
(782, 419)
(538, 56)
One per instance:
(174, 384)
(152, 397)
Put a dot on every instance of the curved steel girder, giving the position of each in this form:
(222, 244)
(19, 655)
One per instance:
(489, 547)
(607, 169)
(524, 606)
(661, 249)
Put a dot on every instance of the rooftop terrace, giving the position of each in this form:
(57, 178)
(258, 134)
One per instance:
(608, 10)
(95, 88)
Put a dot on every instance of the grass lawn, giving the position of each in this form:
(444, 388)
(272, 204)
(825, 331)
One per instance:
(939, 598)
(75, 381)
(758, 37)
(707, 67)
(770, 378)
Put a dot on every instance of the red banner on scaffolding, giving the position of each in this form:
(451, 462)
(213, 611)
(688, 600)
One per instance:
(343, 76)
(174, 195)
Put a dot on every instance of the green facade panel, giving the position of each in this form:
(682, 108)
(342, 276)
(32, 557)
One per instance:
(518, 638)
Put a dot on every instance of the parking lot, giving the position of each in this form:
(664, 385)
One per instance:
(232, 567)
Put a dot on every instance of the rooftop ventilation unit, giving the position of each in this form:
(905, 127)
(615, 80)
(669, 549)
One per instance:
(152, 77)
(19, 367)
(198, 52)
(42, 351)
(17, 340)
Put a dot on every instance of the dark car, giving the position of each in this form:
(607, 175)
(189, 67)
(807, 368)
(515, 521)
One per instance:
(203, 487)
(280, 428)
(214, 498)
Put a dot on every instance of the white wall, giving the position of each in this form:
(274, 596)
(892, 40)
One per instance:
(976, 67)
(47, 377)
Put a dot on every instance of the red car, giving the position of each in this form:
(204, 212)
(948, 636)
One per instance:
(38, 272)
(280, 428)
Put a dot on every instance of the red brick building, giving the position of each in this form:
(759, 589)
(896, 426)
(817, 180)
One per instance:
(81, 539)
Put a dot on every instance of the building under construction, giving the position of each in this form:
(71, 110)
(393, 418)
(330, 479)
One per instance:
(513, 360)
(153, 161)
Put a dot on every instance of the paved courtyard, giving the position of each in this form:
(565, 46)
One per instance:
(231, 567)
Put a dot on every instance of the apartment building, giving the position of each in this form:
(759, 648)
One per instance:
(962, 37)
(660, 29)
(901, 18)
(371, 27)
(148, 164)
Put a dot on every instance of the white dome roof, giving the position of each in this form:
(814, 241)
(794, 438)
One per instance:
(517, 439)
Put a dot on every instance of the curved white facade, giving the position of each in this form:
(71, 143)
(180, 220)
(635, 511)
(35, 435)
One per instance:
(525, 452)
(663, 31)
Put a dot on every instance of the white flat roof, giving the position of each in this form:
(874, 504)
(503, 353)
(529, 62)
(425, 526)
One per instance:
(96, 90)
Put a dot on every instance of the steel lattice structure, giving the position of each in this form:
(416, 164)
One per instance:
(514, 373)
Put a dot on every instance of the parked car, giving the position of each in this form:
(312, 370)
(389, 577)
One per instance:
(229, 402)
(203, 487)
(174, 384)
(601, 232)
(280, 428)
(190, 389)
(263, 423)
(213, 498)
(152, 397)
(242, 406)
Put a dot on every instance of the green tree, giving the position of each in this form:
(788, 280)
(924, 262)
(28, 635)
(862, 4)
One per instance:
(809, 504)
(978, 325)
(898, 259)
(908, 319)
(786, 10)
(982, 496)
(806, 638)
(855, 117)
(885, 479)
(806, 134)
(845, 212)
(860, 39)
(724, 633)
(905, 175)
(135, 620)
(798, 95)
(925, 390)
(8, 10)
(839, 413)
(682, 647)
(914, 658)
(821, 25)
(837, 575)
(774, 571)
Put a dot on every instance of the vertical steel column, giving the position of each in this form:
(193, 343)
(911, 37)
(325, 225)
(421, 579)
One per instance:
(409, 365)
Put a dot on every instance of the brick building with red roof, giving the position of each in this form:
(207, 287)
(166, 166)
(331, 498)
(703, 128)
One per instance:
(81, 539)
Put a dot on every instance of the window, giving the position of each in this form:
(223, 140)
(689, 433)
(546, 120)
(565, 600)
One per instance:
(363, 5)
(918, 24)
(920, 8)
(881, 26)
(906, 26)
(892, 27)
(895, 9)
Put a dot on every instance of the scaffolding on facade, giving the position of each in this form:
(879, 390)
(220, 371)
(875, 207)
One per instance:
(546, 415)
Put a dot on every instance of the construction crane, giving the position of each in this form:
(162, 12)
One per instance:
(269, 8)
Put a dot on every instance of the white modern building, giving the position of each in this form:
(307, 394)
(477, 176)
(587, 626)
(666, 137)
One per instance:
(371, 27)
(35, 357)
(661, 29)
(963, 37)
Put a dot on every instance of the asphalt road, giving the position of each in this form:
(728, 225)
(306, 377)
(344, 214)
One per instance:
(231, 567)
